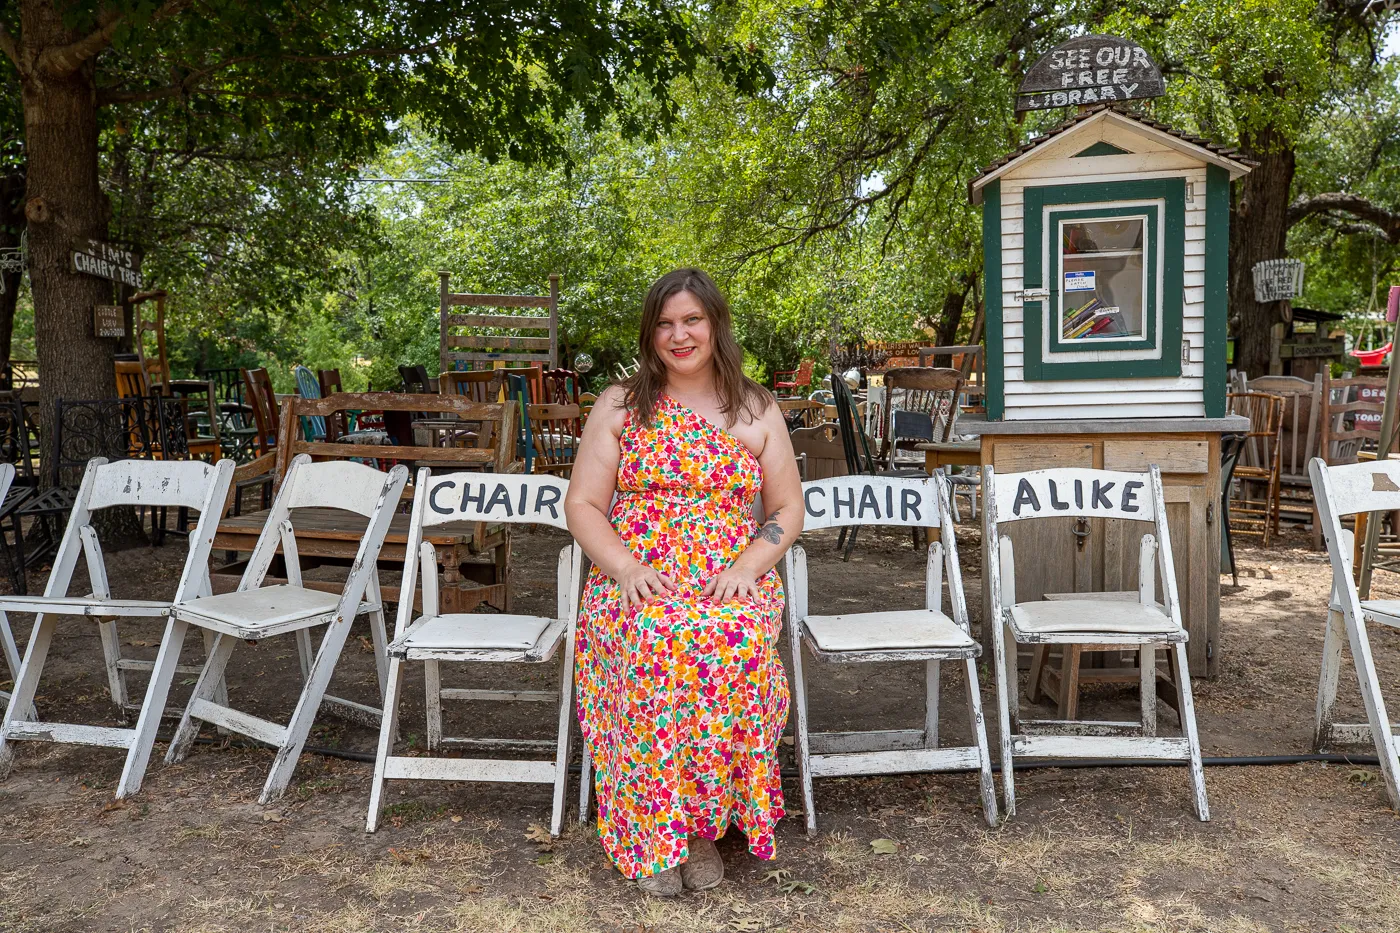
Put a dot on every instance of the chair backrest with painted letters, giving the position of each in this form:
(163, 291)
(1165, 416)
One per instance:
(1073, 492)
(483, 497)
(860, 499)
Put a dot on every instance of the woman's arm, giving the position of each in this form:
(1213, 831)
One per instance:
(592, 483)
(782, 500)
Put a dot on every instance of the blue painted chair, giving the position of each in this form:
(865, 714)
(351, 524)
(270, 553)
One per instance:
(312, 426)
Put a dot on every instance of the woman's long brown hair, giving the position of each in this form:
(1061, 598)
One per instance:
(740, 397)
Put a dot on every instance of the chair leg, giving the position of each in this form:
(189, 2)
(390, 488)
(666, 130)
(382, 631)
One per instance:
(585, 786)
(1069, 682)
(26, 684)
(1147, 661)
(561, 757)
(388, 727)
(1188, 725)
(1327, 683)
(932, 676)
(1039, 655)
(157, 690)
(210, 677)
(308, 704)
(801, 741)
(432, 677)
(1376, 713)
(1005, 661)
(979, 736)
(851, 542)
(379, 633)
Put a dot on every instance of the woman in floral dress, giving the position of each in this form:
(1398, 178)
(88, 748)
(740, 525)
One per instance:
(682, 694)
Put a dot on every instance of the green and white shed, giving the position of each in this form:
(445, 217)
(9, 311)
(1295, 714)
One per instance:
(1106, 244)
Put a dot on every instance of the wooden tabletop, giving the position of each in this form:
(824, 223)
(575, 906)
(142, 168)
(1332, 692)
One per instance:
(951, 446)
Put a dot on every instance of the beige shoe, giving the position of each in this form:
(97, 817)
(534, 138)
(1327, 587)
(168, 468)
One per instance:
(704, 869)
(662, 884)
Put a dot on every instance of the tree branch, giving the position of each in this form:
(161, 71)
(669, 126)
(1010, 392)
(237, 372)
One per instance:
(69, 58)
(1384, 220)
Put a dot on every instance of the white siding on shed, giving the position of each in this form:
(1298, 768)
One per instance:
(1055, 164)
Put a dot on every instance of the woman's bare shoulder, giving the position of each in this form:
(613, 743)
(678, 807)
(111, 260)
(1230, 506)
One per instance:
(611, 408)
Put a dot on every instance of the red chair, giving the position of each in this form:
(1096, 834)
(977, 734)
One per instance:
(801, 378)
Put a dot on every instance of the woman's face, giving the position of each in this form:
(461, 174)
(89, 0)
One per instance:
(682, 337)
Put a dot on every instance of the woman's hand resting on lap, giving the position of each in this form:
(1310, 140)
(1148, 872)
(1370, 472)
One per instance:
(731, 584)
(641, 584)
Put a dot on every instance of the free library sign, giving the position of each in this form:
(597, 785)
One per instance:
(1090, 70)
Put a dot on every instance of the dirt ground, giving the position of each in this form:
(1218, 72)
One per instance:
(1297, 847)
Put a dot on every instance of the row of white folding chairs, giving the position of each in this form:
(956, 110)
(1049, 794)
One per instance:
(255, 611)
(251, 613)
(928, 635)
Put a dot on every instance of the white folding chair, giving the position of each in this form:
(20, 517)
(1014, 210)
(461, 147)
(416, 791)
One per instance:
(489, 638)
(141, 483)
(1144, 624)
(1349, 490)
(254, 612)
(925, 635)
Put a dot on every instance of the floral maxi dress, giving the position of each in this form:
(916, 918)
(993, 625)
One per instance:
(682, 700)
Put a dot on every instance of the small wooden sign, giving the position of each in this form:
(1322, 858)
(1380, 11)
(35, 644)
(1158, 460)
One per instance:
(107, 261)
(1090, 70)
(1312, 349)
(108, 321)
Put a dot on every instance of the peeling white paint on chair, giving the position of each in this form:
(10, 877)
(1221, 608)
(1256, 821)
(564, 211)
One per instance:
(150, 483)
(466, 638)
(1144, 624)
(925, 635)
(1339, 491)
(254, 612)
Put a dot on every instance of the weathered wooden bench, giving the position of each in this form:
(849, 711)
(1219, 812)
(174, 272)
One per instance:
(473, 557)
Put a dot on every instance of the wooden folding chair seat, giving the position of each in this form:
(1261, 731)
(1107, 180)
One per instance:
(254, 612)
(142, 483)
(927, 635)
(469, 638)
(1090, 623)
(1340, 491)
(1257, 471)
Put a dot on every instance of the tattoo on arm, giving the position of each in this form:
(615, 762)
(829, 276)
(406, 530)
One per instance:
(771, 531)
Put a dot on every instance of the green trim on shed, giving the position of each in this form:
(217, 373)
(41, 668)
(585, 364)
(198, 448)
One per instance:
(1101, 148)
(991, 299)
(1172, 192)
(1217, 298)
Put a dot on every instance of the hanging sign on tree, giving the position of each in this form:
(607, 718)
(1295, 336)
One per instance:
(108, 321)
(1090, 70)
(107, 261)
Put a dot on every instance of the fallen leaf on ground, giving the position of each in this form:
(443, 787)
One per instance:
(540, 836)
(884, 846)
(409, 856)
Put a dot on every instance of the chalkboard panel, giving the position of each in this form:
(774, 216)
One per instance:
(1090, 70)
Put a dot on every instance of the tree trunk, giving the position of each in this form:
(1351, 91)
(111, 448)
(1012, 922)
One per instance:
(1258, 231)
(64, 202)
(11, 231)
(950, 318)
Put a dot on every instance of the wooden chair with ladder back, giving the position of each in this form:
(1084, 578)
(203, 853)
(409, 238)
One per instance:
(1255, 510)
(556, 431)
(1300, 440)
